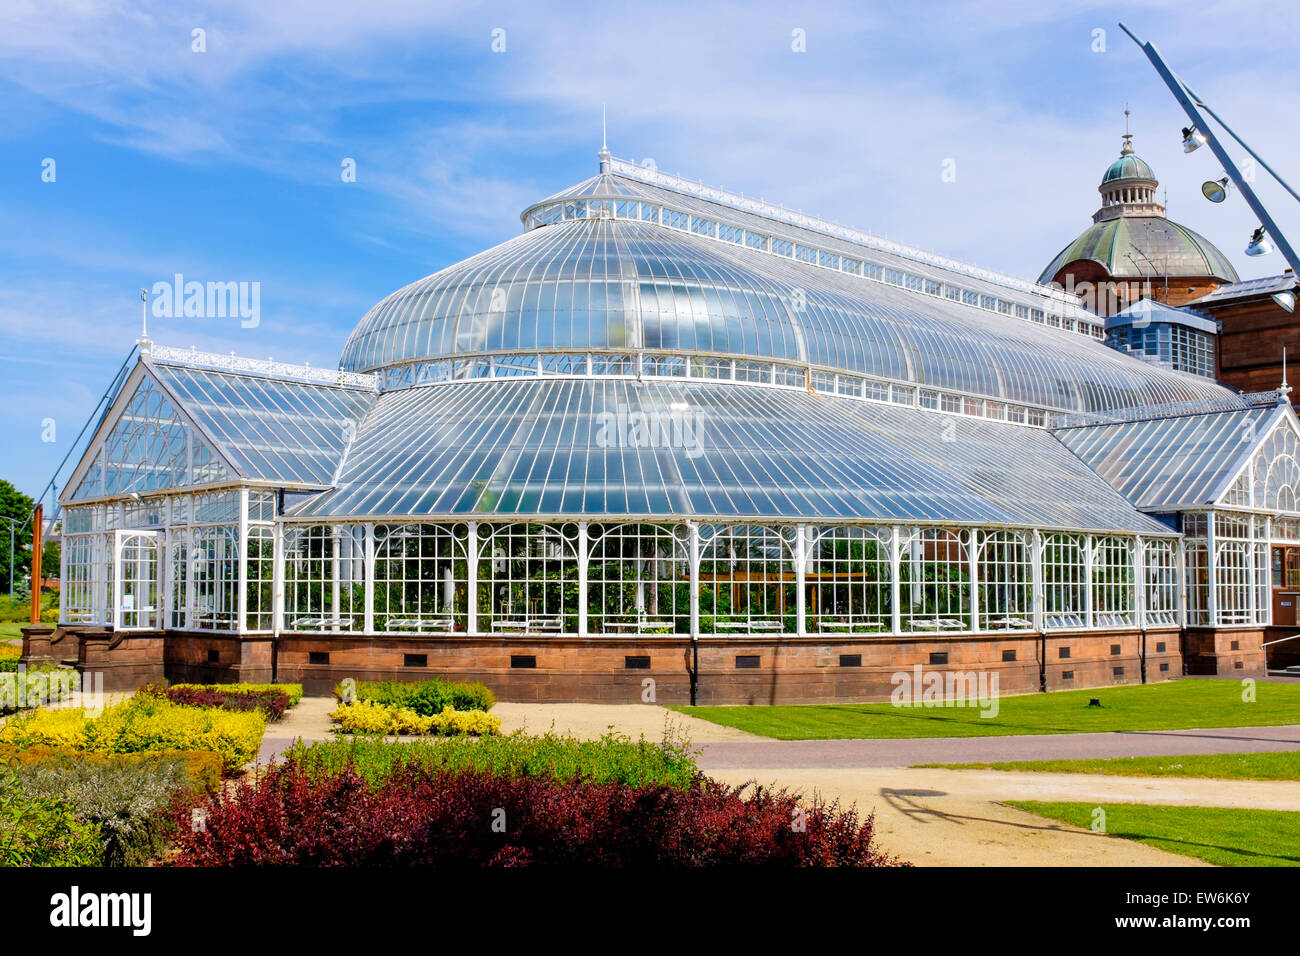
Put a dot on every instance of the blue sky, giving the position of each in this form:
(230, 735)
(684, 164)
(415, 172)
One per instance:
(224, 165)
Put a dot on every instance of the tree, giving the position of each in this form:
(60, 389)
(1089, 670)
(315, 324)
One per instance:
(51, 556)
(17, 506)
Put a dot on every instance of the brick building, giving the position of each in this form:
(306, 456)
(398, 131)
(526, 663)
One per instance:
(1133, 251)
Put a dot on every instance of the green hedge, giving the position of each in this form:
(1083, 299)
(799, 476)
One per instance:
(425, 697)
(612, 759)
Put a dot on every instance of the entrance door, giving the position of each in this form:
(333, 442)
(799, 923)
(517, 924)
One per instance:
(1286, 585)
(137, 590)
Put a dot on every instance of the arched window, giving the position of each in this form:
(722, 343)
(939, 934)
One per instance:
(1006, 581)
(848, 580)
(1114, 594)
(1065, 581)
(934, 575)
(638, 579)
(1160, 564)
(1277, 472)
(1198, 582)
(528, 579)
(421, 578)
(747, 580)
(324, 578)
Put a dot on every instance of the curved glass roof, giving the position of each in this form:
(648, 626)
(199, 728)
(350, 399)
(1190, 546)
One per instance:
(618, 283)
(572, 447)
(1126, 247)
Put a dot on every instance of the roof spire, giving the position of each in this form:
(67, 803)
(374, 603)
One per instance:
(143, 341)
(1127, 149)
(603, 155)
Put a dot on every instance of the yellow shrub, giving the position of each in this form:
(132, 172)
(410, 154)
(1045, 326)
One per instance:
(370, 717)
(64, 728)
(143, 725)
(476, 722)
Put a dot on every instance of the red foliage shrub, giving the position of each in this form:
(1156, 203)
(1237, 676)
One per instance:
(420, 818)
(272, 702)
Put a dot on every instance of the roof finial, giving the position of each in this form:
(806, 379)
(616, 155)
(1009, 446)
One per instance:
(1127, 149)
(603, 155)
(143, 341)
(1285, 390)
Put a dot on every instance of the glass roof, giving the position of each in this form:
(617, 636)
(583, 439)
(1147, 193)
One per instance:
(1171, 463)
(271, 429)
(618, 284)
(570, 447)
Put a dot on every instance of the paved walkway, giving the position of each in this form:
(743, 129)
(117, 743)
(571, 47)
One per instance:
(810, 754)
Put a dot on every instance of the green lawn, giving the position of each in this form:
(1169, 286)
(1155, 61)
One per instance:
(1282, 765)
(1167, 706)
(1220, 836)
(10, 630)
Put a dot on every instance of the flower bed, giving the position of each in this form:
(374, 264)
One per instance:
(142, 724)
(292, 691)
(290, 816)
(425, 697)
(270, 700)
(369, 717)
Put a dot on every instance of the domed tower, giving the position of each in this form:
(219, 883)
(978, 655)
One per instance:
(1132, 251)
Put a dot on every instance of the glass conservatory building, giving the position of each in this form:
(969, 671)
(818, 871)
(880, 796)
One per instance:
(672, 438)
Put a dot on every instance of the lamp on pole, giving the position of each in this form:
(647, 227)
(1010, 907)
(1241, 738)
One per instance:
(1201, 132)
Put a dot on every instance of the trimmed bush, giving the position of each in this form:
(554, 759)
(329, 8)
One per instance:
(425, 697)
(10, 654)
(288, 816)
(292, 691)
(272, 703)
(41, 831)
(612, 759)
(142, 724)
(369, 717)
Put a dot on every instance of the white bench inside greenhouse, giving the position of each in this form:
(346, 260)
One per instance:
(849, 625)
(1010, 623)
(322, 623)
(640, 624)
(742, 625)
(528, 624)
(439, 623)
(940, 624)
